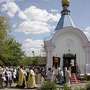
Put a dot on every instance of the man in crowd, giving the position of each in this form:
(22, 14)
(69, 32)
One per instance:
(21, 78)
(1, 81)
(31, 83)
(49, 74)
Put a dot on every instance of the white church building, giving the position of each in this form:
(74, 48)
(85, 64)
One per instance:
(68, 45)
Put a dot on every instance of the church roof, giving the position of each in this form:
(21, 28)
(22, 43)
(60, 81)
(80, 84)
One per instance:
(64, 21)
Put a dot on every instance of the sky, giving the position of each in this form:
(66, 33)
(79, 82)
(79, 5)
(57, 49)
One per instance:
(33, 21)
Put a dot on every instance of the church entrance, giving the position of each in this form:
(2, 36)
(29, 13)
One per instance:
(69, 64)
(69, 61)
(56, 62)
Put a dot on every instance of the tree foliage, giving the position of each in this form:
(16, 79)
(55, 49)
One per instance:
(4, 28)
(10, 50)
(33, 61)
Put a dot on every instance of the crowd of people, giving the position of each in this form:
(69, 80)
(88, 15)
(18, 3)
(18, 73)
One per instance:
(22, 77)
(32, 76)
(67, 75)
(55, 75)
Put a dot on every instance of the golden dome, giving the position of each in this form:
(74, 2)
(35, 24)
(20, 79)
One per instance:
(65, 2)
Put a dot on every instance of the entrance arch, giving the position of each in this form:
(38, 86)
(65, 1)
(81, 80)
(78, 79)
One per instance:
(69, 61)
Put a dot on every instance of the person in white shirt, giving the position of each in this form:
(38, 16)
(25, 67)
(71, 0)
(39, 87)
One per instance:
(14, 75)
(9, 73)
(8, 77)
(49, 74)
(1, 81)
(67, 75)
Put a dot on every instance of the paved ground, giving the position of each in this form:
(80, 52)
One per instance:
(15, 89)
(72, 86)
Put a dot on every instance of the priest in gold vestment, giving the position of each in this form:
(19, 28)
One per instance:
(21, 78)
(31, 83)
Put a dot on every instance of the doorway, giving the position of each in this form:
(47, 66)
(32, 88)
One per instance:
(69, 61)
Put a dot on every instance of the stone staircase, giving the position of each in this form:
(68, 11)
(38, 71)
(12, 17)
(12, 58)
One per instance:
(74, 79)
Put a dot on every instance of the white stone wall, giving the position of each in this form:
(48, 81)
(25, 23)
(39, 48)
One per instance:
(69, 41)
(88, 51)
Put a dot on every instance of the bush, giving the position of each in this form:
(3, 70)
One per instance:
(77, 88)
(82, 89)
(88, 86)
(66, 87)
(48, 86)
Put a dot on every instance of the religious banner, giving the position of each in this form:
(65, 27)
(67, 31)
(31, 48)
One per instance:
(56, 61)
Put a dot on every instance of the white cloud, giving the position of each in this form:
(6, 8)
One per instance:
(37, 52)
(87, 32)
(88, 29)
(1, 1)
(33, 27)
(33, 43)
(21, 15)
(30, 45)
(38, 14)
(35, 20)
(4, 7)
(38, 21)
(54, 10)
(11, 8)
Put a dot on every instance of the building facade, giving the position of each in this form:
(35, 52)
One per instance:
(68, 45)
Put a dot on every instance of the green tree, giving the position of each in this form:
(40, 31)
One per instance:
(26, 61)
(4, 30)
(35, 61)
(10, 50)
(12, 53)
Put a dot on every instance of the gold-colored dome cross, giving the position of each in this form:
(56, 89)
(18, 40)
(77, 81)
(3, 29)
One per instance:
(65, 2)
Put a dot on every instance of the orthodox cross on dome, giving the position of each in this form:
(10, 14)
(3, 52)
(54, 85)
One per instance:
(65, 3)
